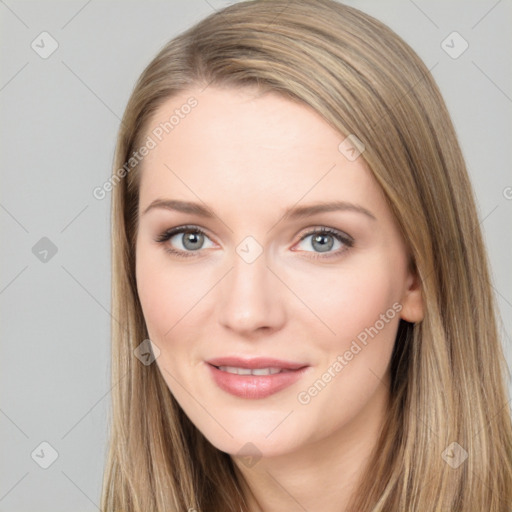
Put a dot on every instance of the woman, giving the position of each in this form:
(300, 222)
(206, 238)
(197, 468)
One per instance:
(304, 312)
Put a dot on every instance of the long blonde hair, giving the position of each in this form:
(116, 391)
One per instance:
(448, 371)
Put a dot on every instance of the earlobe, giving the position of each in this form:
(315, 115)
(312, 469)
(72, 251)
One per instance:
(412, 301)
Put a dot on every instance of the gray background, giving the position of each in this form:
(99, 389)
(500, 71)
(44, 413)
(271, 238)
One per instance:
(59, 118)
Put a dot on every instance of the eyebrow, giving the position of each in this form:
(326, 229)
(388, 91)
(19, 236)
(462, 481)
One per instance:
(292, 213)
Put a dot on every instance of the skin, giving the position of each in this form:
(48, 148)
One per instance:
(248, 157)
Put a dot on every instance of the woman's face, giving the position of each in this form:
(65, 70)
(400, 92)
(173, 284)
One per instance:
(272, 335)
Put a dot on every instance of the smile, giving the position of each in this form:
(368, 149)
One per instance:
(254, 378)
(248, 371)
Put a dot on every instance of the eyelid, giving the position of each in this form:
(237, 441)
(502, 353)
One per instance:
(328, 230)
(168, 233)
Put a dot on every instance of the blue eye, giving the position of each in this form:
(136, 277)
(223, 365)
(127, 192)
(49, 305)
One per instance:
(192, 240)
(323, 240)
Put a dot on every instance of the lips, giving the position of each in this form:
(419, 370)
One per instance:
(254, 378)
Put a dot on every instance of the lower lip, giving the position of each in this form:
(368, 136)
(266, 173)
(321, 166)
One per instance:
(254, 386)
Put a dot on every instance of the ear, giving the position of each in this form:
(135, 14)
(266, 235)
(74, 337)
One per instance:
(412, 300)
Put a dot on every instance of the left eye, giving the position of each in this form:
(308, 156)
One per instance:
(323, 240)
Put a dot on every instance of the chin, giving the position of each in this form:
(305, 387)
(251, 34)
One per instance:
(258, 437)
(255, 447)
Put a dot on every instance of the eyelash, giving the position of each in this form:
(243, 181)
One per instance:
(338, 235)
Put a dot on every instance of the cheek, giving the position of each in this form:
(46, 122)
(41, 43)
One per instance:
(350, 299)
(160, 290)
(362, 308)
(171, 295)
(364, 311)
(367, 296)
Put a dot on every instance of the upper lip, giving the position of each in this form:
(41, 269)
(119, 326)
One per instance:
(255, 363)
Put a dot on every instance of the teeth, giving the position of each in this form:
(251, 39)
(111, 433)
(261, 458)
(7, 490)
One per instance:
(249, 371)
(265, 371)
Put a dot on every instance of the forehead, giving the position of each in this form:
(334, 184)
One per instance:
(240, 147)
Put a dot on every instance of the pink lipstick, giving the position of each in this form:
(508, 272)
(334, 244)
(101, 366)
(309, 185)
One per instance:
(254, 378)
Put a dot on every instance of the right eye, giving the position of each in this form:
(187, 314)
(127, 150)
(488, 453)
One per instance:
(190, 239)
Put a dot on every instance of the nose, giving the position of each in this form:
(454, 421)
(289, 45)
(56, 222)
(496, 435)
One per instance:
(251, 298)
